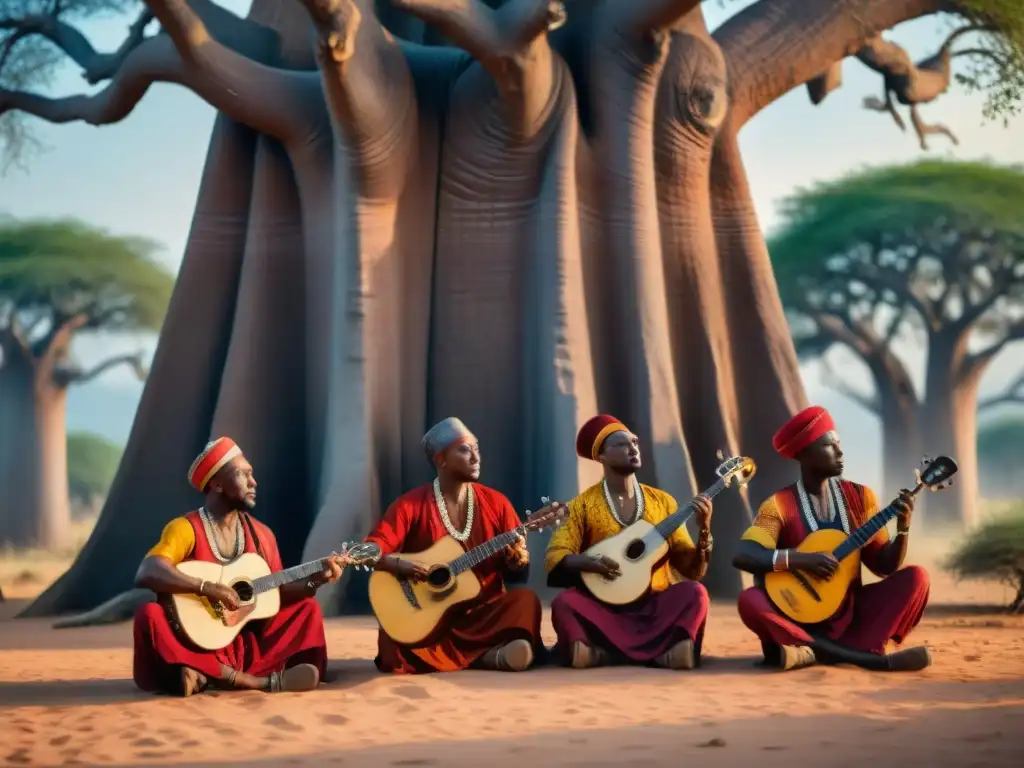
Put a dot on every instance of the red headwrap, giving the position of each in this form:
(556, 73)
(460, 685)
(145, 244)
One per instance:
(802, 430)
(593, 434)
(215, 455)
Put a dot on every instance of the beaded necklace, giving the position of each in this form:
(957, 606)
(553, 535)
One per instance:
(211, 536)
(442, 507)
(638, 493)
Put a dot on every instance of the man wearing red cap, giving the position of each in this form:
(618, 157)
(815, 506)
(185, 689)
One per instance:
(286, 652)
(873, 615)
(666, 627)
(500, 629)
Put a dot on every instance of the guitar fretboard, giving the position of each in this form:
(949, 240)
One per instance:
(489, 548)
(669, 525)
(863, 535)
(287, 576)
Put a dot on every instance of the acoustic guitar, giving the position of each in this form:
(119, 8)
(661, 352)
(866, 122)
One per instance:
(209, 625)
(809, 600)
(642, 546)
(410, 612)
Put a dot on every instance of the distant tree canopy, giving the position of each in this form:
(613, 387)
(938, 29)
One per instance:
(65, 275)
(92, 463)
(58, 279)
(1000, 448)
(931, 248)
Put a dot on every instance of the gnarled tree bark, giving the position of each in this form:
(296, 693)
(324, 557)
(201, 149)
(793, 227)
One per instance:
(519, 230)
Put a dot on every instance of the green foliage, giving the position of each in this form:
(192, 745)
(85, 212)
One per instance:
(64, 267)
(997, 67)
(865, 206)
(92, 463)
(1001, 438)
(993, 550)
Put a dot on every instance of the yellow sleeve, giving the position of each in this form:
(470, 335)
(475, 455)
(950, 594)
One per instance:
(870, 502)
(567, 539)
(767, 525)
(680, 540)
(176, 542)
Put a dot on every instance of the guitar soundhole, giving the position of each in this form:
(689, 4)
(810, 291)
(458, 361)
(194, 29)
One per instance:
(636, 549)
(244, 591)
(439, 576)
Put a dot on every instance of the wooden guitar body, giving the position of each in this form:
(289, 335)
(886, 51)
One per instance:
(792, 597)
(409, 612)
(200, 620)
(638, 549)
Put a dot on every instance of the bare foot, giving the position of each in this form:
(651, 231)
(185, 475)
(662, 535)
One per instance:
(192, 682)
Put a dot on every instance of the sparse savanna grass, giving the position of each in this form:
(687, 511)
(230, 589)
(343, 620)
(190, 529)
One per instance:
(24, 573)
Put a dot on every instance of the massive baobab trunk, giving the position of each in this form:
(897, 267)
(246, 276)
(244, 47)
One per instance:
(517, 232)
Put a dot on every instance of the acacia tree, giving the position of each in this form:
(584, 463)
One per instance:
(57, 280)
(545, 217)
(933, 248)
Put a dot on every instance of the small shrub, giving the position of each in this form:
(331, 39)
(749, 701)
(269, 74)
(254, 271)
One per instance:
(994, 550)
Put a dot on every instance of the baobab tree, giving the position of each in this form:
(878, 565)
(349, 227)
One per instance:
(933, 248)
(545, 217)
(58, 280)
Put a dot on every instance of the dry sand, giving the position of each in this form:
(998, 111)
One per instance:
(67, 698)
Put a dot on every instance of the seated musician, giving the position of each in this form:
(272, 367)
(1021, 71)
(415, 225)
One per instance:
(873, 614)
(498, 630)
(665, 628)
(286, 652)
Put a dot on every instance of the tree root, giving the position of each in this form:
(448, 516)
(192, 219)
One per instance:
(119, 608)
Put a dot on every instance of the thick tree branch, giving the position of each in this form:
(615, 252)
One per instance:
(774, 46)
(510, 43)
(64, 376)
(869, 402)
(366, 79)
(284, 104)
(645, 16)
(156, 60)
(975, 363)
(95, 66)
(1013, 393)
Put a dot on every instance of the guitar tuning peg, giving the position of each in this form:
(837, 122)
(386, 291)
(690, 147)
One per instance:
(720, 454)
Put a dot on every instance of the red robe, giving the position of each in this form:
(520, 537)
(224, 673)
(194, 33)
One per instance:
(498, 616)
(872, 614)
(294, 636)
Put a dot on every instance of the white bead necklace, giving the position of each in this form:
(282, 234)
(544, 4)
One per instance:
(613, 507)
(211, 536)
(442, 507)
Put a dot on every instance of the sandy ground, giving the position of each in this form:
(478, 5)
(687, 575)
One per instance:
(67, 698)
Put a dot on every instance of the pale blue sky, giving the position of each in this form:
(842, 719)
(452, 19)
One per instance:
(141, 177)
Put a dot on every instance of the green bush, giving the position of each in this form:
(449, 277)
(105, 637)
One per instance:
(994, 550)
(92, 463)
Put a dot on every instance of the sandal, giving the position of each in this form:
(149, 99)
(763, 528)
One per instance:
(192, 682)
(301, 677)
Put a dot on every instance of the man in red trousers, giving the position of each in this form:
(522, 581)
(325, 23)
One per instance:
(872, 615)
(287, 652)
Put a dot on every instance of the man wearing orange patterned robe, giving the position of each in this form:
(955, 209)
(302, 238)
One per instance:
(872, 615)
(500, 629)
(666, 627)
(285, 652)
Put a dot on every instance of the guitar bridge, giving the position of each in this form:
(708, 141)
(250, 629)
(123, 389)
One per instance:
(410, 595)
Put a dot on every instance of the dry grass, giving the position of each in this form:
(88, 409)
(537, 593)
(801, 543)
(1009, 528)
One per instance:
(26, 573)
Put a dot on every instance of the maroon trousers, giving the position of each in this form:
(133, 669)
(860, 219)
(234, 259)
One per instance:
(880, 612)
(294, 636)
(636, 633)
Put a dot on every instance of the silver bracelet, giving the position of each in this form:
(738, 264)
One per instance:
(902, 533)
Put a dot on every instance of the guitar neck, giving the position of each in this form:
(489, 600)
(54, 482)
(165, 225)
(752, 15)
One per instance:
(678, 518)
(488, 549)
(863, 535)
(287, 576)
